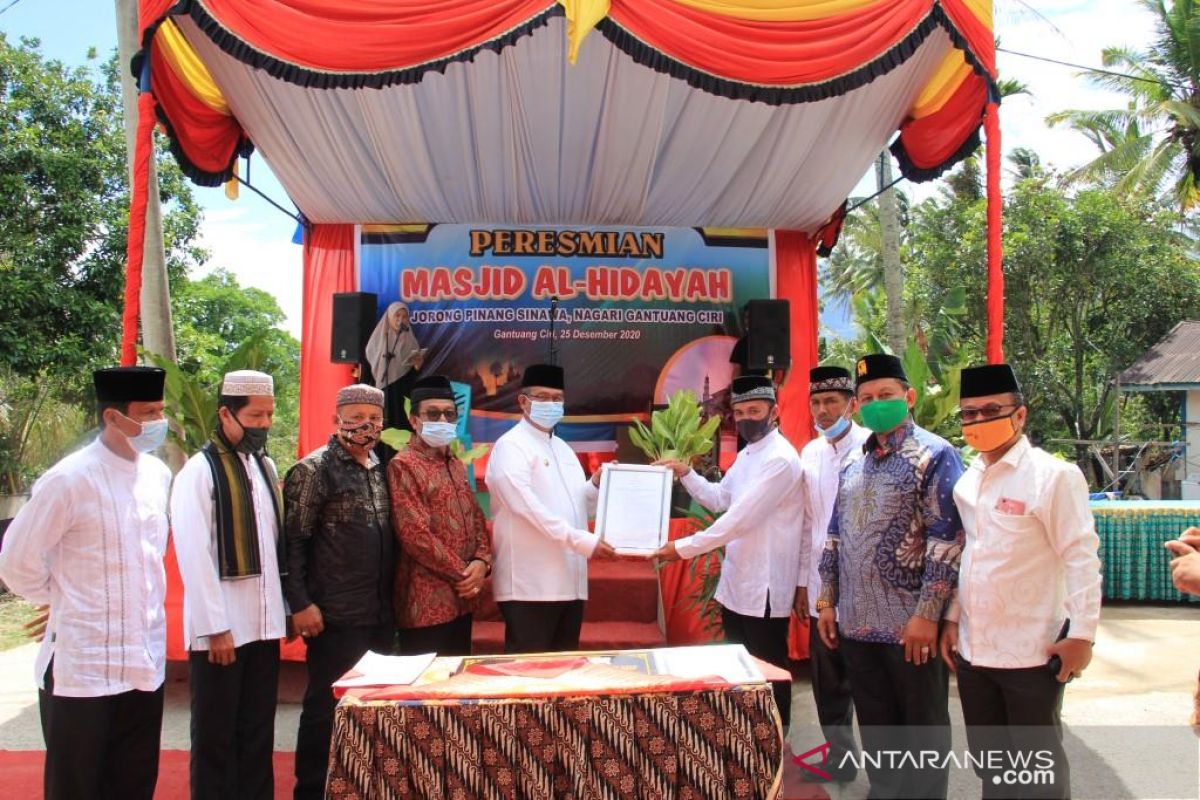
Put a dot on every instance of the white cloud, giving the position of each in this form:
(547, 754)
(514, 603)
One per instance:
(253, 241)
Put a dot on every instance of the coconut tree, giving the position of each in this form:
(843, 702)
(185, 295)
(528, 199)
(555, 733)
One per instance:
(1152, 144)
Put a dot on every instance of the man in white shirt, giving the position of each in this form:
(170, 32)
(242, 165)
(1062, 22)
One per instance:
(225, 511)
(762, 500)
(832, 403)
(90, 543)
(541, 542)
(1028, 598)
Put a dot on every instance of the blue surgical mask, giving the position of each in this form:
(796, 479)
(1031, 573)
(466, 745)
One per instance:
(439, 434)
(545, 414)
(153, 434)
(835, 430)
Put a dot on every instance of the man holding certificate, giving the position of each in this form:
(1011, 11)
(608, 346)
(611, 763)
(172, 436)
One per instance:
(541, 538)
(763, 503)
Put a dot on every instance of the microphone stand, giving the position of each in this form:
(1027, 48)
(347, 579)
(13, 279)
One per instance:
(553, 340)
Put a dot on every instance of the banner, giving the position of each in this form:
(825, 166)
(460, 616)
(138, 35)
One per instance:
(638, 312)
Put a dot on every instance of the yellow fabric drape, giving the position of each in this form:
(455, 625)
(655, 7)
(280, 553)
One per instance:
(191, 70)
(953, 70)
(780, 10)
(231, 185)
(582, 16)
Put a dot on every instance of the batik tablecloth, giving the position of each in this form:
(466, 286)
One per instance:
(1135, 563)
(717, 742)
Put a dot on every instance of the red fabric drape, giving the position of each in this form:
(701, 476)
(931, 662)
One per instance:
(772, 53)
(368, 35)
(206, 141)
(135, 242)
(796, 282)
(328, 268)
(929, 142)
(995, 247)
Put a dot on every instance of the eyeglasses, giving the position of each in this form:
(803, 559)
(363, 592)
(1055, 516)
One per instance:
(545, 398)
(990, 411)
(435, 416)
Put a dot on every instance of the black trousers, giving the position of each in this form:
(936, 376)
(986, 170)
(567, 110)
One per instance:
(233, 723)
(100, 747)
(451, 638)
(329, 656)
(901, 707)
(834, 701)
(1017, 712)
(766, 638)
(541, 627)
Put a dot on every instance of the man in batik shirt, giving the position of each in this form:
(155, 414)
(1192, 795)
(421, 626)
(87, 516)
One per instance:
(889, 568)
(445, 556)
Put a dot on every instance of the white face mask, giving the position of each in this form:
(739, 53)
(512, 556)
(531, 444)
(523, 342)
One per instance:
(153, 434)
(545, 414)
(439, 434)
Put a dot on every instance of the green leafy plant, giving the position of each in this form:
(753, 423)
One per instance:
(707, 568)
(676, 432)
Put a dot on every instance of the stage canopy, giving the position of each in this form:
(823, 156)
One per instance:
(720, 113)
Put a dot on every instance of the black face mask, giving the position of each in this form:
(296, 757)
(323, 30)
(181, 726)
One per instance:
(753, 429)
(254, 440)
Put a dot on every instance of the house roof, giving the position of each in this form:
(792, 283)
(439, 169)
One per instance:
(1173, 363)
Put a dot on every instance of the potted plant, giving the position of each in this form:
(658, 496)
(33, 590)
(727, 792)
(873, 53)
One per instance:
(676, 433)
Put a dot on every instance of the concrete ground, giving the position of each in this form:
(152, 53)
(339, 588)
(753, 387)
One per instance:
(1143, 674)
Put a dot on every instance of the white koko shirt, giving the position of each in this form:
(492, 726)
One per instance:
(821, 462)
(762, 497)
(252, 609)
(542, 501)
(1030, 559)
(90, 543)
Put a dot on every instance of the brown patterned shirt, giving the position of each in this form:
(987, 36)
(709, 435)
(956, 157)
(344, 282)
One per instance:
(440, 528)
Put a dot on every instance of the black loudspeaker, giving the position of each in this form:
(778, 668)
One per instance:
(768, 338)
(353, 321)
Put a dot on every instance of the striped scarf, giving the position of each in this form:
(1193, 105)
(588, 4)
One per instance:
(237, 525)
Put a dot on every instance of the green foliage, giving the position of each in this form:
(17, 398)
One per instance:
(1151, 145)
(1093, 279)
(676, 432)
(707, 568)
(222, 326)
(36, 427)
(63, 215)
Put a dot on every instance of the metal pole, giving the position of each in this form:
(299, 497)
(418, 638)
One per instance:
(1116, 456)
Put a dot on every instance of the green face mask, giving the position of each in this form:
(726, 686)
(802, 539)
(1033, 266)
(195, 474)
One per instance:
(883, 415)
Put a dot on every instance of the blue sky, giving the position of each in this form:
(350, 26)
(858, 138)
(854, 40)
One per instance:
(253, 240)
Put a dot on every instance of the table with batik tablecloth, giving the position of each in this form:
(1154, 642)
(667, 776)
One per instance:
(639, 737)
(1136, 565)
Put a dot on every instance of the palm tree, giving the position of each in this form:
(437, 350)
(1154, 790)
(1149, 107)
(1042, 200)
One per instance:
(1153, 144)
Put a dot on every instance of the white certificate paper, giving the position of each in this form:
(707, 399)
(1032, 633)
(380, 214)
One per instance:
(634, 509)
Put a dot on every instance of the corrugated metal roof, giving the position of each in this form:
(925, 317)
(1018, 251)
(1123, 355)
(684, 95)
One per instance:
(1175, 360)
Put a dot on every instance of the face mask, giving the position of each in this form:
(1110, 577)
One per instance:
(361, 434)
(153, 434)
(439, 434)
(545, 415)
(254, 440)
(990, 434)
(753, 429)
(884, 415)
(835, 430)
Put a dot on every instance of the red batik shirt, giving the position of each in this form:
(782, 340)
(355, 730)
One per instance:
(440, 528)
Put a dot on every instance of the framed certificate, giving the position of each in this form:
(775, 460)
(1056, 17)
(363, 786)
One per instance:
(634, 510)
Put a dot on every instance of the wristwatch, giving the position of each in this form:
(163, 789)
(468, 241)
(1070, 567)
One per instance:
(824, 604)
